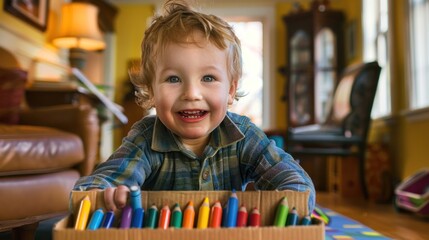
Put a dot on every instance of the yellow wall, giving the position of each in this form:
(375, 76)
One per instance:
(130, 25)
(26, 41)
(411, 145)
(12, 22)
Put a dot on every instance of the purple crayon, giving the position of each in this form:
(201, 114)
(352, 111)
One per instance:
(126, 217)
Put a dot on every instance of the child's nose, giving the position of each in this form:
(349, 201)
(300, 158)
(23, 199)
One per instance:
(191, 92)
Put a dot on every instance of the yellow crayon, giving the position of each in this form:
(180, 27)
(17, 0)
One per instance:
(83, 214)
(203, 214)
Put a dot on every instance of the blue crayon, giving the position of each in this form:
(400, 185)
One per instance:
(292, 218)
(127, 211)
(108, 219)
(96, 219)
(224, 215)
(306, 220)
(135, 197)
(232, 210)
(137, 220)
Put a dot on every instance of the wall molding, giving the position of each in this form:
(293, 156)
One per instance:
(416, 115)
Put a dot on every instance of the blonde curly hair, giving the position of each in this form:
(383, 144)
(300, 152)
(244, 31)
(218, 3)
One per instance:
(176, 25)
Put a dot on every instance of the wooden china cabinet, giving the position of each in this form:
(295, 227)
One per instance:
(315, 59)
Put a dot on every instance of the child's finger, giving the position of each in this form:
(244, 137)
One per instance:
(109, 194)
(121, 195)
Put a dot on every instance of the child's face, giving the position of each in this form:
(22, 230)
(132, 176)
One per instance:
(192, 88)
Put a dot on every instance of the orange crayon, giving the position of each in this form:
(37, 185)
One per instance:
(255, 218)
(164, 217)
(203, 214)
(83, 214)
(242, 217)
(216, 215)
(188, 216)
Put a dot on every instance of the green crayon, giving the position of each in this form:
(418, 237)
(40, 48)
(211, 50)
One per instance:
(152, 220)
(176, 217)
(281, 213)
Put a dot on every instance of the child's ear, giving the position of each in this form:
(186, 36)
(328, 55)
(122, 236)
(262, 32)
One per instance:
(232, 91)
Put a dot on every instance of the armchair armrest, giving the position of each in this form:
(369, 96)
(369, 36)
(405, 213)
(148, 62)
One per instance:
(81, 120)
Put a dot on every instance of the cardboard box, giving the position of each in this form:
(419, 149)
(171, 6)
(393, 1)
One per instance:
(266, 201)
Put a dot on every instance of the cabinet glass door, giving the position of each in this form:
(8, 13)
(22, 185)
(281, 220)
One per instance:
(326, 66)
(300, 90)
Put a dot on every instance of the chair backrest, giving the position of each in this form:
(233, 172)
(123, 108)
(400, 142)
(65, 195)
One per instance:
(354, 97)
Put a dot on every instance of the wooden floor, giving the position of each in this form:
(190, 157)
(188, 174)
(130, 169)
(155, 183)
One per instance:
(383, 218)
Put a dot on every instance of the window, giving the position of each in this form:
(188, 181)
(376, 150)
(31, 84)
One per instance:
(375, 22)
(250, 35)
(258, 58)
(419, 38)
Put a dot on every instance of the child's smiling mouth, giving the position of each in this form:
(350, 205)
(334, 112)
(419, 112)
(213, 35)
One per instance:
(193, 114)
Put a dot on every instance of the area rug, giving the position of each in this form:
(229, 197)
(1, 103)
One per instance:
(339, 227)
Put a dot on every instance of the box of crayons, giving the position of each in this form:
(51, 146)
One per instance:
(186, 215)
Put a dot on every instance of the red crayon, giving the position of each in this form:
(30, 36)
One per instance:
(255, 218)
(242, 217)
(164, 217)
(216, 215)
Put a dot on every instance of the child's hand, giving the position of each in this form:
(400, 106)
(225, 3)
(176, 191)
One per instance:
(116, 197)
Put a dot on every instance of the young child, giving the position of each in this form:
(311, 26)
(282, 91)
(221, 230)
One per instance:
(191, 64)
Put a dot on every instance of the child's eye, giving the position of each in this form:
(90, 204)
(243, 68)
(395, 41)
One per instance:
(208, 79)
(173, 79)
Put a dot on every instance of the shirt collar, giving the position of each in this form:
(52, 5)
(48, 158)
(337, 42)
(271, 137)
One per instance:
(163, 140)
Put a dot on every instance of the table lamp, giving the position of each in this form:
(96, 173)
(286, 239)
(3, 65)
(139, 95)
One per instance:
(79, 32)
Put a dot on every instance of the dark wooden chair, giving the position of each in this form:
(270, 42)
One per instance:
(345, 131)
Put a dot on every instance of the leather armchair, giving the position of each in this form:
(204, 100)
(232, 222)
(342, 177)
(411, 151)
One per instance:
(40, 160)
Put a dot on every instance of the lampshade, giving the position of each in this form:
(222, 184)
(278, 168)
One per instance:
(79, 27)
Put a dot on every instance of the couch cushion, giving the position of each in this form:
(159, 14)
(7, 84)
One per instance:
(33, 149)
(35, 195)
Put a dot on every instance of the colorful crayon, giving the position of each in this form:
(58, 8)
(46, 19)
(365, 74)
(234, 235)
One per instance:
(255, 218)
(83, 214)
(176, 217)
(204, 214)
(224, 214)
(232, 210)
(164, 217)
(108, 219)
(281, 213)
(319, 214)
(306, 220)
(96, 220)
(127, 212)
(242, 216)
(135, 197)
(137, 220)
(189, 216)
(292, 218)
(152, 219)
(216, 215)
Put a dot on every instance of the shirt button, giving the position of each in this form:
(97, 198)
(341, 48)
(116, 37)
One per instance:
(206, 174)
